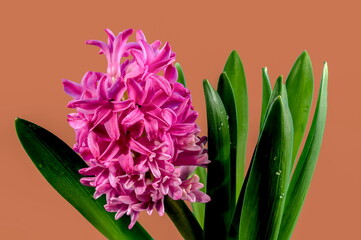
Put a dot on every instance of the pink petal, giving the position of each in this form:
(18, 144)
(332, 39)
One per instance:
(112, 149)
(112, 127)
(72, 89)
(135, 91)
(121, 212)
(103, 47)
(133, 117)
(171, 73)
(76, 120)
(127, 199)
(138, 147)
(117, 90)
(93, 144)
(126, 162)
(102, 88)
(133, 219)
(119, 106)
(89, 104)
(159, 205)
(153, 166)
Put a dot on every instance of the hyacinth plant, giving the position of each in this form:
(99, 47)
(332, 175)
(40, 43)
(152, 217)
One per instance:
(138, 148)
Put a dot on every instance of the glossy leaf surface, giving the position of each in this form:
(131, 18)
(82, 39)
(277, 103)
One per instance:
(235, 72)
(299, 85)
(269, 176)
(218, 210)
(59, 164)
(225, 91)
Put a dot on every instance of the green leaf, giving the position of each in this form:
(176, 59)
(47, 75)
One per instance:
(278, 90)
(225, 91)
(266, 93)
(59, 164)
(300, 92)
(302, 176)
(269, 176)
(199, 208)
(183, 219)
(236, 75)
(218, 210)
(234, 228)
(181, 78)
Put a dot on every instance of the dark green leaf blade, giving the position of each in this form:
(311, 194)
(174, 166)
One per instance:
(225, 91)
(181, 78)
(299, 85)
(235, 72)
(302, 176)
(183, 219)
(218, 210)
(199, 208)
(266, 94)
(269, 176)
(59, 164)
(278, 90)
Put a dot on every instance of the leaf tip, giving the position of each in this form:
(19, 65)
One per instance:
(304, 56)
(305, 52)
(234, 52)
(224, 75)
(325, 66)
(18, 122)
(206, 84)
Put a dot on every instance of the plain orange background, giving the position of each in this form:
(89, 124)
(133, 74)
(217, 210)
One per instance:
(42, 42)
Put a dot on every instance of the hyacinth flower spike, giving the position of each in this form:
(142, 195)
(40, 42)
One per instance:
(136, 128)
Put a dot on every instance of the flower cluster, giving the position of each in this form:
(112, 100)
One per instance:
(135, 128)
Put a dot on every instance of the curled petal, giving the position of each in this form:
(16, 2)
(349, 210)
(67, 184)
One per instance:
(72, 89)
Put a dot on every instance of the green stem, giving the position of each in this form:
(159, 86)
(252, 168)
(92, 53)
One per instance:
(183, 219)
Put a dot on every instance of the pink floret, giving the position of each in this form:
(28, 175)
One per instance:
(135, 128)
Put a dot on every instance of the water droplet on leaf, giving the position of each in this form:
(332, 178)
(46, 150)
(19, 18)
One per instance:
(282, 195)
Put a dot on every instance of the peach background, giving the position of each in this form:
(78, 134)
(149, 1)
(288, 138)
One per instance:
(42, 42)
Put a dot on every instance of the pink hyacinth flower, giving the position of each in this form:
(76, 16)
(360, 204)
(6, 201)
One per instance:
(135, 128)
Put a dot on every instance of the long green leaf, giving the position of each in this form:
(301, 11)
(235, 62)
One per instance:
(225, 91)
(235, 72)
(181, 78)
(59, 164)
(302, 176)
(218, 210)
(300, 91)
(183, 219)
(269, 176)
(278, 90)
(199, 208)
(266, 94)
